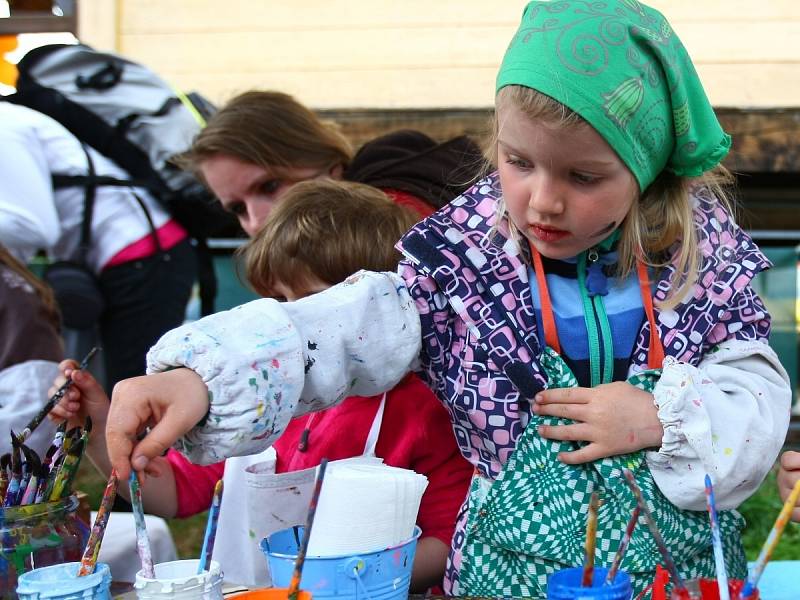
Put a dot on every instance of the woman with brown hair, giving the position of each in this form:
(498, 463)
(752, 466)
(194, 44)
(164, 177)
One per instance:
(30, 348)
(261, 143)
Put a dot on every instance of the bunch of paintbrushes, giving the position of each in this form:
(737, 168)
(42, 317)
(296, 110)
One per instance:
(25, 478)
(750, 586)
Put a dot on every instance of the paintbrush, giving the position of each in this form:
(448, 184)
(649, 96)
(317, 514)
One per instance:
(211, 529)
(89, 558)
(669, 564)
(31, 468)
(294, 584)
(46, 487)
(70, 437)
(716, 542)
(16, 472)
(591, 541)
(82, 442)
(32, 492)
(66, 472)
(54, 450)
(772, 541)
(623, 546)
(5, 466)
(48, 406)
(142, 540)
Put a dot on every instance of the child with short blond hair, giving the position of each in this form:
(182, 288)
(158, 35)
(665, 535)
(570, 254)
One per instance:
(324, 231)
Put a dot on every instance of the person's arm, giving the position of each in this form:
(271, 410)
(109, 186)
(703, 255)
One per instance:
(727, 417)
(430, 560)
(249, 370)
(28, 217)
(788, 476)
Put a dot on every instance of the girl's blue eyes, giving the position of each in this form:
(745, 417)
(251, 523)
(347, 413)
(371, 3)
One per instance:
(585, 179)
(519, 163)
(580, 178)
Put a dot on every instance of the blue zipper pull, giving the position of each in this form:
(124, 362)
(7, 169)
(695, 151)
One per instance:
(596, 280)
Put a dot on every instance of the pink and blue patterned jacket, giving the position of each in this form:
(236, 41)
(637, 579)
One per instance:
(480, 347)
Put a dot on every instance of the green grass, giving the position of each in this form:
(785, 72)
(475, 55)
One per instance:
(760, 511)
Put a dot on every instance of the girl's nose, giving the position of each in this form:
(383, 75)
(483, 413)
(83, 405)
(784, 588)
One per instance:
(546, 196)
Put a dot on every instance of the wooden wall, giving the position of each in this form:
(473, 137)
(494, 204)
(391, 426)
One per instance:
(416, 53)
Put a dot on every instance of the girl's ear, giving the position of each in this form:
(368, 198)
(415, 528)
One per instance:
(336, 171)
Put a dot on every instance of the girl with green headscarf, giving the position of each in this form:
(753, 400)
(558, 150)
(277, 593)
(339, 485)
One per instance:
(585, 309)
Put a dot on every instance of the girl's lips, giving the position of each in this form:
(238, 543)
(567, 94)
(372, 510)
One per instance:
(548, 234)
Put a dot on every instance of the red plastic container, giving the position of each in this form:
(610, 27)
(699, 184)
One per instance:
(709, 589)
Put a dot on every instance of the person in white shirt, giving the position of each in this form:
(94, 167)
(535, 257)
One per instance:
(142, 258)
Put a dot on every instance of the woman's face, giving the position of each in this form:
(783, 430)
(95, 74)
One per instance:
(565, 189)
(250, 191)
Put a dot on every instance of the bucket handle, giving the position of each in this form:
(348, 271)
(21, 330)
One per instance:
(353, 568)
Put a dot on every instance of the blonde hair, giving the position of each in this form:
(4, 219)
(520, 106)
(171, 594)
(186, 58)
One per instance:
(271, 130)
(327, 230)
(40, 288)
(662, 216)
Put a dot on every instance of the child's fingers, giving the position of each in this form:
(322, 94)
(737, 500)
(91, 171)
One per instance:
(586, 454)
(62, 412)
(68, 364)
(575, 412)
(579, 432)
(89, 388)
(791, 461)
(786, 481)
(572, 395)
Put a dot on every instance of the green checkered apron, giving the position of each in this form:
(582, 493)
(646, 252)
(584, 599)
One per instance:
(530, 521)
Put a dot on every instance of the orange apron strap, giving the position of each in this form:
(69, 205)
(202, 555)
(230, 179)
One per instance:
(655, 353)
(548, 320)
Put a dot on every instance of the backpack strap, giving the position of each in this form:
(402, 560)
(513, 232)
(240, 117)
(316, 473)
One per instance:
(90, 190)
(90, 182)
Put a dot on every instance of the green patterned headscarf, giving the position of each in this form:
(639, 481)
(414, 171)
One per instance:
(619, 65)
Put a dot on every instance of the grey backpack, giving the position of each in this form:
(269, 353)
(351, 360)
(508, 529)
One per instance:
(131, 115)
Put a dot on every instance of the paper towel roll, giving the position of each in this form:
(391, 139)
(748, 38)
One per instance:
(365, 508)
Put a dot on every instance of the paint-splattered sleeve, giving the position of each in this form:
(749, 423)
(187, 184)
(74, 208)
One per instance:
(266, 362)
(360, 338)
(251, 360)
(726, 416)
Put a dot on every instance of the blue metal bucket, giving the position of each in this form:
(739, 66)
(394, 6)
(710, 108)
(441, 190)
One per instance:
(381, 575)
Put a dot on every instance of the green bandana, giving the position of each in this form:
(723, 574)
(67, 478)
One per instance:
(619, 65)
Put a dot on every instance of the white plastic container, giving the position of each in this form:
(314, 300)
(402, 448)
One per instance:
(178, 580)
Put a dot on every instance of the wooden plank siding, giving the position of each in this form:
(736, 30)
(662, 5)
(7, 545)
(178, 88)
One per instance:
(417, 53)
(765, 153)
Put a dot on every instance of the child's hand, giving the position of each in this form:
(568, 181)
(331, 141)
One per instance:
(615, 418)
(171, 402)
(788, 475)
(84, 398)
